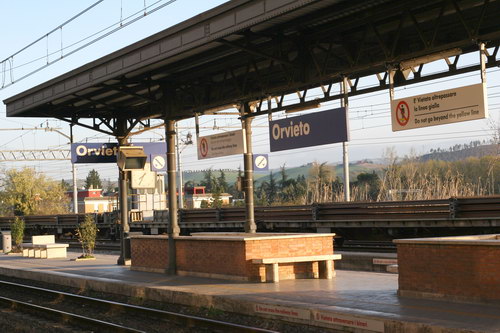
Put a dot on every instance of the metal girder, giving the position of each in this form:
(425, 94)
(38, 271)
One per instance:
(122, 89)
(35, 155)
(110, 124)
(262, 106)
(293, 54)
(260, 72)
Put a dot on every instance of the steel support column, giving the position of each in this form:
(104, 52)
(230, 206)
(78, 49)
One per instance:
(345, 152)
(173, 225)
(123, 187)
(246, 123)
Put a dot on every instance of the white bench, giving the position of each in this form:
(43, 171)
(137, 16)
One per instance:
(44, 247)
(325, 265)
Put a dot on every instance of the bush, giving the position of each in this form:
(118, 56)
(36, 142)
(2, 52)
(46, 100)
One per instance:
(17, 233)
(87, 234)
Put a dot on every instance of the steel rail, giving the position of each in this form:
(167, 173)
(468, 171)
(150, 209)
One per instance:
(183, 319)
(66, 317)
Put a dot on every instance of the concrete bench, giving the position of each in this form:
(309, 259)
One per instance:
(391, 265)
(272, 265)
(45, 247)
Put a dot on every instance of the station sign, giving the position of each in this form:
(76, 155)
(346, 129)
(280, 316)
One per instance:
(313, 129)
(440, 107)
(106, 152)
(218, 145)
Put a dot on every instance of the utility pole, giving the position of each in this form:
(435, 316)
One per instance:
(186, 142)
(345, 152)
(73, 170)
(179, 168)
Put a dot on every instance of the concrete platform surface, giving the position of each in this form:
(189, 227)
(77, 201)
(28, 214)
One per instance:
(352, 301)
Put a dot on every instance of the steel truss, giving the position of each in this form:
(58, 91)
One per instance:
(317, 50)
(35, 155)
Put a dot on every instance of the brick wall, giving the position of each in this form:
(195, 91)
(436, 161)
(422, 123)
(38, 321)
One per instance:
(149, 252)
(211, 256)
(461, 271)
(231, 257)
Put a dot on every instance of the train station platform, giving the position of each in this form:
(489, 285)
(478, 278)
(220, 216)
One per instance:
(352, 301)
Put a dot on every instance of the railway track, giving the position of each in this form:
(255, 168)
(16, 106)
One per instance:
(100, 246)
(347, 245)
(367, 246)
(99, 315)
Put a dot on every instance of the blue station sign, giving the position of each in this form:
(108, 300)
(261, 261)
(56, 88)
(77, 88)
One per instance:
(313, 129)
(106, 152)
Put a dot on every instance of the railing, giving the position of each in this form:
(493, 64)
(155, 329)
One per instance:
(454, 208)
(445, 209)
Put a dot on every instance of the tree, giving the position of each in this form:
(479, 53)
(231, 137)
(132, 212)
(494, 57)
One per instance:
(110, 186)
(65, 185)
(372, 183)
(209, 180)
(267, 192)
(272, 189)
(284, 178)
(93, 180)
(86, 232)
(235, 191)
(320, 183)
(26, 192)
(260, 194)
(216, 201)
(17, 231)
(222, 182)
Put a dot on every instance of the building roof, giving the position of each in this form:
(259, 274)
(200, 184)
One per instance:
(208, 195)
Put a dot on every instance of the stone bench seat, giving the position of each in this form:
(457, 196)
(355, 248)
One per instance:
(44, 247)
(272, 265)
(391, 265)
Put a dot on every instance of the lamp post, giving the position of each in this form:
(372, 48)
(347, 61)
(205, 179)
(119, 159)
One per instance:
(129, 158)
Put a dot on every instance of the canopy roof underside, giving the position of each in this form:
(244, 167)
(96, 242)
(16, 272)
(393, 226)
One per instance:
(249, 50)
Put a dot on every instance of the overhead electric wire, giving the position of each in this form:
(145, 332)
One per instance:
(53, 30)
(49, 63)
(369, 114)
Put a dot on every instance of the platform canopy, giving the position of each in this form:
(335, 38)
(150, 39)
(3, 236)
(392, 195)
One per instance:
(250, 50)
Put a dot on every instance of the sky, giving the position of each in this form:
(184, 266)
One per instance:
(24, 21)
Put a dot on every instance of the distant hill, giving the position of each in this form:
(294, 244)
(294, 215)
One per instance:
(292, 172)
(231, 175)
(461, 152)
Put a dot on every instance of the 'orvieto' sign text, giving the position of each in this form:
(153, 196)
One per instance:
(313, 129)
(106, 152)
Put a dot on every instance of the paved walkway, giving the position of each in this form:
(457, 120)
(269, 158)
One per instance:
(361, 300)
